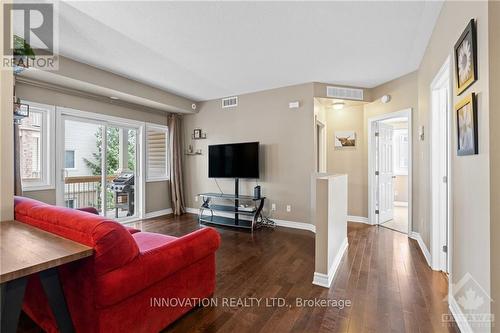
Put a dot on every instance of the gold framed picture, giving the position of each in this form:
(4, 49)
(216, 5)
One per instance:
(467, 143)
(466, 58)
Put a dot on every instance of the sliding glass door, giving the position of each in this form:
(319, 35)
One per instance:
(82, 171)
(99, 166)
(121, 166)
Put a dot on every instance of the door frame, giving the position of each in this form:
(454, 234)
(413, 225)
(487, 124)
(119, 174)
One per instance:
(63, 113)
(372, 179)
(321, 145)
(440, 233)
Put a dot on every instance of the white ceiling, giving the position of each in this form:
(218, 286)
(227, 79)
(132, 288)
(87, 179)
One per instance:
(207, 50)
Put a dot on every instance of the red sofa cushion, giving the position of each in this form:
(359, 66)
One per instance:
(113, 245)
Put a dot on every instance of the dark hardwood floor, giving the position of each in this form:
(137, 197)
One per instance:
(383, 274)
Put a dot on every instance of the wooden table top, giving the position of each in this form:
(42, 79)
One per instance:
(25, 250)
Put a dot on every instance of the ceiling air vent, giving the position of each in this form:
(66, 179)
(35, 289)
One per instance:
(230, 102)
(344, 93)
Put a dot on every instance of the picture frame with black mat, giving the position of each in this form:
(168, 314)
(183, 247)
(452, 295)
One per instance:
(467, 129)
(465, 53)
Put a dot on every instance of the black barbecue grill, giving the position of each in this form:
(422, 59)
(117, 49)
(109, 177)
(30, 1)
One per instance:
(123, 188)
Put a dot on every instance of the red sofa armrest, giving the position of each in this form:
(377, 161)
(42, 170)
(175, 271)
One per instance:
(156, 264)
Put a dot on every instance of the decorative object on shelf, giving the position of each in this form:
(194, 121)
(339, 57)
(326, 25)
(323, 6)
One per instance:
(467, 141)
(198, 134)
(22, 54)
(466, 58)
(345, 139)
(21, 110)
(190, 151)
(256, 192)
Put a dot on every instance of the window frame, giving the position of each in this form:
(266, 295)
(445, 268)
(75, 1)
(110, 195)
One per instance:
(47, 142)
(166, 176)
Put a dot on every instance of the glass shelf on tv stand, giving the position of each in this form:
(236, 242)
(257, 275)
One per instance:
(254, 214)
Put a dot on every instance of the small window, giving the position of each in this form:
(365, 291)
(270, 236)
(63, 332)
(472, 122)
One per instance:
(156, 153)
(69, 159)
(35, 135)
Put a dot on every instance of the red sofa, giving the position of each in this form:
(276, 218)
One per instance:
(112, 291)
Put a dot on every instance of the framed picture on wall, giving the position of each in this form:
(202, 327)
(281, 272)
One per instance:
(345, 139)
(466, 58)
(467, 143)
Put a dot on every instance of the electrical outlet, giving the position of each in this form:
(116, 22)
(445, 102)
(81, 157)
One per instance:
(196, 198)
(288, 208)
(273, 207)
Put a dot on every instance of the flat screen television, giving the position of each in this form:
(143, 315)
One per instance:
(235, 160)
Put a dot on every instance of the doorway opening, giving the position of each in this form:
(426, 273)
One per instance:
(389, 170)
(92, 154)
(440, 168)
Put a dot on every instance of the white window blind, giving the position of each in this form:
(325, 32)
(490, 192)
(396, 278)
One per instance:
(156, 152)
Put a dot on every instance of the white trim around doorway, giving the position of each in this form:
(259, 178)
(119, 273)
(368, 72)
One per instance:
(372, 217)
(440, 234)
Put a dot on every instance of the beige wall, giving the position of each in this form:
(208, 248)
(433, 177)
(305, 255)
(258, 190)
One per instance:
(286, 137)
(157, 195)
(350, 160)
(470, 174)
(494, 70)
(6, 135)
(354, 161)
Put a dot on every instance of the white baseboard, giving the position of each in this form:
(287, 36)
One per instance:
(401, 203)
(279, 223)
(158, 213)
(359, 219)
(458, 315)
(192, 210)
(324, 280)
(416, 236)
(296, 225)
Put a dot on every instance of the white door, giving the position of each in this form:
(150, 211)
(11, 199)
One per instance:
(385, 173)
(439, 172)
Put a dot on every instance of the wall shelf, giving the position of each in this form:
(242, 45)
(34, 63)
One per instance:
(194, 153)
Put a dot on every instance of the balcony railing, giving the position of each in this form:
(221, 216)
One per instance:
(84, 191)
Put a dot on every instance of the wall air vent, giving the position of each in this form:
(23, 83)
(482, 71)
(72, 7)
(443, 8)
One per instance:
(344, 93)
(230, 102)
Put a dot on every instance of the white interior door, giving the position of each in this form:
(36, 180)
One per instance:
(439, 171)
(385, 173)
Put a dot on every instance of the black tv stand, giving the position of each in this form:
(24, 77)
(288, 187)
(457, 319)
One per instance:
(233, 215)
